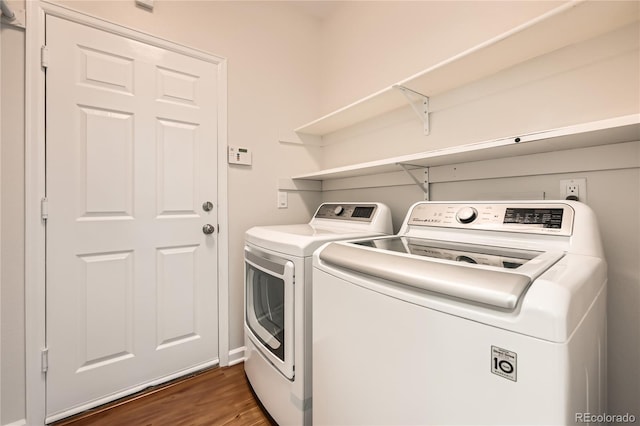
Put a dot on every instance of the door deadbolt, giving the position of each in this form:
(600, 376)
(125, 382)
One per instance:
(208, 229)
(207, 206)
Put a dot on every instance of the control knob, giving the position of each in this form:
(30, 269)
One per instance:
(466, 215)
(338, 210)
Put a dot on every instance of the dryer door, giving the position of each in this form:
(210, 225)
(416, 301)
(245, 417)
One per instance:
(269, 307)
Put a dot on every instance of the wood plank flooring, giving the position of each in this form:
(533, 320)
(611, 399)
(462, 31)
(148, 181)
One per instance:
(219, 396)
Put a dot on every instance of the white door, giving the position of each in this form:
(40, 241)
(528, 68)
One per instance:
(131, 158)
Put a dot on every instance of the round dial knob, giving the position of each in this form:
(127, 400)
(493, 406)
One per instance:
(338, 210)
(466, 215)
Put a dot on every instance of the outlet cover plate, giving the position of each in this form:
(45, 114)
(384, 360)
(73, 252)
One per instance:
(577, 187)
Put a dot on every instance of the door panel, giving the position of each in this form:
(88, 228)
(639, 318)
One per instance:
(106, 174)
(177, 168)
(105, 301)
(177, 295)
(131, 157)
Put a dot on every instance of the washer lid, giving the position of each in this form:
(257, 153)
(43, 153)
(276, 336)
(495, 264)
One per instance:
(302, 239)
(493, 276)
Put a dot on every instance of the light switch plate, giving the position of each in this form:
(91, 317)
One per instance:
(283, 200)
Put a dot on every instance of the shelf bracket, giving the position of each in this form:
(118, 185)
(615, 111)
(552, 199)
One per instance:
(420, 106)
(424, 183)
(9, 17)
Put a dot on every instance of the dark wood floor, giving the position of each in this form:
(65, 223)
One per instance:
(220, 396)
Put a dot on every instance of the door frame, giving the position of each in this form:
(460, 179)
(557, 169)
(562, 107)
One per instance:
(35, 187)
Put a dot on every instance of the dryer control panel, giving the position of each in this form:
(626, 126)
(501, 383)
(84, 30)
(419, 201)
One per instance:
(356, 212)
(543, 218)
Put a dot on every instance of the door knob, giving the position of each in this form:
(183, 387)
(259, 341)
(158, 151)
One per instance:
(208, 229)
(207, 206)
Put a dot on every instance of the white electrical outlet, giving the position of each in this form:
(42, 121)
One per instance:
(574, 189)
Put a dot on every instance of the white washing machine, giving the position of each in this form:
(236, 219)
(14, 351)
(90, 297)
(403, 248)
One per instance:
(278, 301)
(478, 313)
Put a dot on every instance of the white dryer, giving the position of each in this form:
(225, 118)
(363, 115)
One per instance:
(278, 301)
(475, 313)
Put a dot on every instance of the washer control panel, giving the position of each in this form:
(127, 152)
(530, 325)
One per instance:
(355, 212)
(543, 218)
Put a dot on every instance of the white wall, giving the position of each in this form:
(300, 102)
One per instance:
(12, 225)
(0, 226)
(369, 45)
(593, 80)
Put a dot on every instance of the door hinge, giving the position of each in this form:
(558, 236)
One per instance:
(44, 209)
(44, 358)
(44, 56)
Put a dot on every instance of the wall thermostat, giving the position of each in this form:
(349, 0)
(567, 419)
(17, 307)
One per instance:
(238, 155)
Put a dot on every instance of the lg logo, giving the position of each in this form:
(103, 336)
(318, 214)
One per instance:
(504, 363)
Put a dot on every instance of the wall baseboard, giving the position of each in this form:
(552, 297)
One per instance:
(22, 422)
(236, 356)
